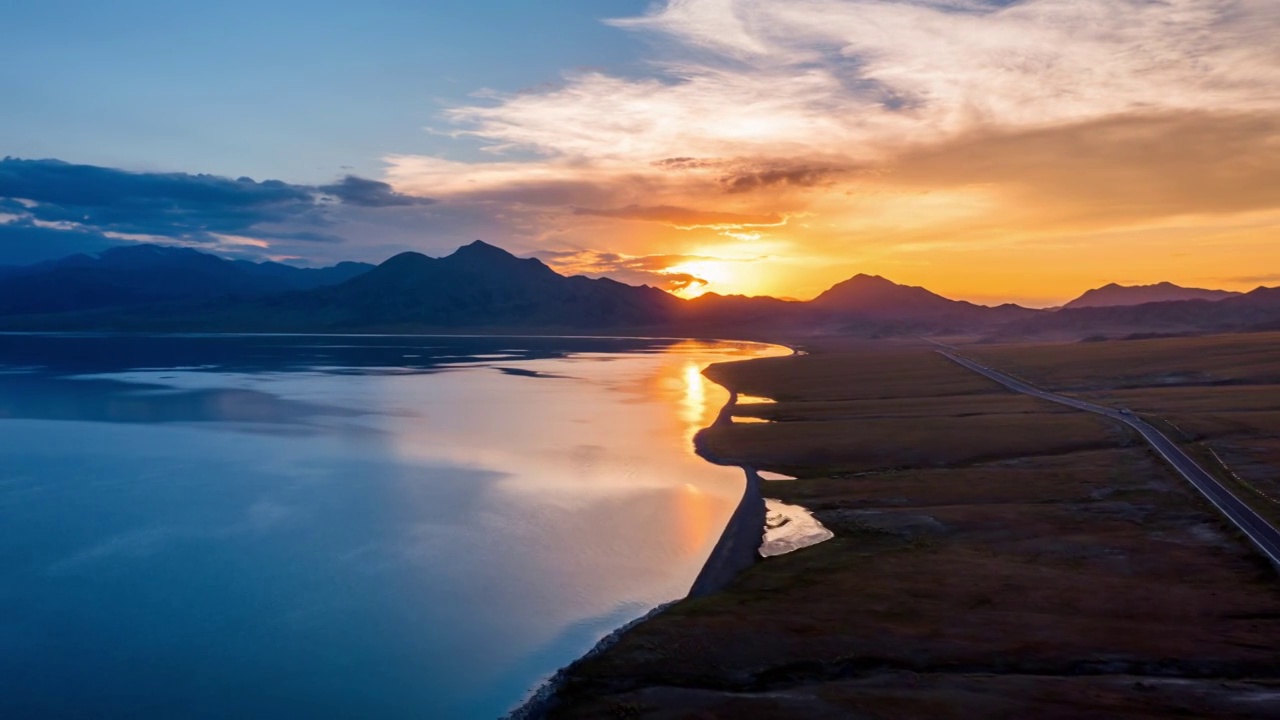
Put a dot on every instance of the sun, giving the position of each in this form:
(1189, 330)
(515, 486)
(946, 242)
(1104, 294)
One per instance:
(716, 273)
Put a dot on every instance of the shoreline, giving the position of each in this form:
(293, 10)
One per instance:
(732, 554)
(734, 551)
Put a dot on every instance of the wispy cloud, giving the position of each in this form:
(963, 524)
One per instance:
(686, 218)
(654, 270)
(673, 272)
(888, 123)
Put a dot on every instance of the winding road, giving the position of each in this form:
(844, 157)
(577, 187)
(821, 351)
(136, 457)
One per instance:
(1258, 530)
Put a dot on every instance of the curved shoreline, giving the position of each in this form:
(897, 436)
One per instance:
(733, 553)
(739, 543)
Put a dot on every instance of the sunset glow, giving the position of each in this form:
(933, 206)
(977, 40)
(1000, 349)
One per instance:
(986, 150)
(989, 150)
(716, 274)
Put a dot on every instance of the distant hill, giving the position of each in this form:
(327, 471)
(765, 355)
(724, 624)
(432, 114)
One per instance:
(1114, 295)
(479, 285)
(742, 316)
(872, 295)
(874, 306)
(1256, 310)
(138, 275)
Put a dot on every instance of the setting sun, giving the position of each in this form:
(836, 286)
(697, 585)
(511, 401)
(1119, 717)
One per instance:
(715, 275)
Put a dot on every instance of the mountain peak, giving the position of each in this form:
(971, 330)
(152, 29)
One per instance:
(880, 296)
(481, 285)
(863, 283)
(480, 248)
(868, 279)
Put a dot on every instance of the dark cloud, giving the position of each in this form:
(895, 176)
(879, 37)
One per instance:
(740, 175)
(676, 281)
(748, 178)
(62, 183)
(687, 163)
(304, 236)
(165, 204)
(61, 206)
(684, 217)
(370, 193)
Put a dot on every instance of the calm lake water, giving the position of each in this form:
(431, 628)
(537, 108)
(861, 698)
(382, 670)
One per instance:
(339, 527)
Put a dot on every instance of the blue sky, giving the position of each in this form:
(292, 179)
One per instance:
(298, 91)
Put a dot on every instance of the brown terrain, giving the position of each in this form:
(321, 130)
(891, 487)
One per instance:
(1219, 395)
(995, 556)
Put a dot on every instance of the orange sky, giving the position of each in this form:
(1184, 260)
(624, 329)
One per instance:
(988, 151)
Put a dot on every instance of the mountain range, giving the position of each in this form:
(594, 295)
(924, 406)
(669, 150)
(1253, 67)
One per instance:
(138, 275)
(485, 288)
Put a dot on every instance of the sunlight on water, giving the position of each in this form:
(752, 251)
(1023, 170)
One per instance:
(380, 534)
(694, 404)
(698, 518)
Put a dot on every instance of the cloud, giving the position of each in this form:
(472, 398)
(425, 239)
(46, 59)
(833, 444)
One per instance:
(763, 176)
(858, 78)
(636, 270)
(370, 193)
(686, 218)
(51, 206)
(1115, 169)
(169, 204)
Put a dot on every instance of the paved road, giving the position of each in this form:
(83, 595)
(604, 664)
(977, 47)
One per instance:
(1258, 530)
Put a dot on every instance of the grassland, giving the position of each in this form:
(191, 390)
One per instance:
(995, 556)
(1218, 395)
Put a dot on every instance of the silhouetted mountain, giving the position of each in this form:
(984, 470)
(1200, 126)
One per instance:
(137, 275)
(484, 288)
(479, 285)
(1254, 310)
(740, 314)
(875, 296)
(874, 306)
(1114, 295)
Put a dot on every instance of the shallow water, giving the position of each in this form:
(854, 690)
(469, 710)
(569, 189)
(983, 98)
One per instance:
(288, 526)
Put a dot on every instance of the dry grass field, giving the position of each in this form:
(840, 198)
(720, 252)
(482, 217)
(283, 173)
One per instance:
(995, 556)
(1219, 395)
(881, 409)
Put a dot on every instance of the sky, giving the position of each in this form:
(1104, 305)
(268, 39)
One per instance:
(990, 150)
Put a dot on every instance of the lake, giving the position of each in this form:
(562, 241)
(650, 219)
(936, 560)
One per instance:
(339, 526)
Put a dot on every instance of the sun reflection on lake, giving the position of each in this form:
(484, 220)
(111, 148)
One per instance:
(693, 406)
(696, 515)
